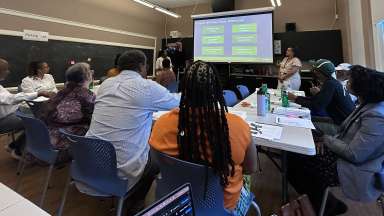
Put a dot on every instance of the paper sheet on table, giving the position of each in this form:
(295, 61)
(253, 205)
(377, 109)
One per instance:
(295, 122)
(293, 112)
(241, 114)
(298, 93)
(264, 131)
(41, 99)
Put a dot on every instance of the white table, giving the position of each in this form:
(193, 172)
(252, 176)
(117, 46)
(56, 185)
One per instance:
(293, 139)
(13, 204)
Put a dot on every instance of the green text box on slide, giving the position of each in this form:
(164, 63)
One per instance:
(252, 59)
(213, 39)
(244, 38)
(244, 50)
(213, 51)
(243, 28)
(216, 29)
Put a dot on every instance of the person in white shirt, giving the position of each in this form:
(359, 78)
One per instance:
(342, 75)
(123, 116)
(38, 79)
(289, 73)
(9, 103)
(159, 62)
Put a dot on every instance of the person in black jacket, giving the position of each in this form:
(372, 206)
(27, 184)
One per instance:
(331, 96)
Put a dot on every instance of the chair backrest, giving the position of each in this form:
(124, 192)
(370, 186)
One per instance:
(94, 164)
(244, 91)
(173, 87)
(230, 98)
(206, 188)
(38, 141)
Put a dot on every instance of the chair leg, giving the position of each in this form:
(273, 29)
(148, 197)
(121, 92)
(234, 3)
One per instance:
(119, 209)
(258, 160)
(13, 136)
(380, 202)
(257, 208)
(46, 184)
(67, 184)
(324, 202)
(21, 163)
(20, 171)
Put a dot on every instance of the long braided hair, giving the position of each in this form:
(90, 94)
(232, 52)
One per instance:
(203, 135)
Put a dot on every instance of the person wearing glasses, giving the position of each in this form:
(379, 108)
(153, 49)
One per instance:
(343, 72)
(329, 96)
(38, 79)
(353, 157)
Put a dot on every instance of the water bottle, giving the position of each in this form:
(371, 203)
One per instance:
(264, 88)
(284, 99)
(261, 103)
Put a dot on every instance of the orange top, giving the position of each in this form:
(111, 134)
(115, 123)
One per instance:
(164, 139)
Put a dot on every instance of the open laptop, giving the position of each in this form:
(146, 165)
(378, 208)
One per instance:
(177, 203)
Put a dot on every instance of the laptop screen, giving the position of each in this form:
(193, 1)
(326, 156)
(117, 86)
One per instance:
(179, 202)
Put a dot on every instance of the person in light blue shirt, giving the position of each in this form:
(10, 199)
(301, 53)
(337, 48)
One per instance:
(123, 116)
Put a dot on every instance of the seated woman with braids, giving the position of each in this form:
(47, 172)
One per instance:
(71, 108)
(202, 131)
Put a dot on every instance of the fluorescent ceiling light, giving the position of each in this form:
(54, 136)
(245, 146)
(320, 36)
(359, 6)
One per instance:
(170, 13)
(278, 3)
(273, 3)
(145, 3)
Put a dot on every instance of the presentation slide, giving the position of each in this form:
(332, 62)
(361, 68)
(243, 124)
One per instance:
(244, 38)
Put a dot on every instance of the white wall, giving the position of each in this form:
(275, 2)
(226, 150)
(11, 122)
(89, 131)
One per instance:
(357, 35)
(378, 32)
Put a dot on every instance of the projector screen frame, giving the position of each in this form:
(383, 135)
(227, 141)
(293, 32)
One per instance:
(256, 11)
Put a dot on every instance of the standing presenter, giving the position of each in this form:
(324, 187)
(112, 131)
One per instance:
(289, 74)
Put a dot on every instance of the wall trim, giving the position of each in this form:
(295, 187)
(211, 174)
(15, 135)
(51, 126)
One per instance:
(71, 23)
(80, 40)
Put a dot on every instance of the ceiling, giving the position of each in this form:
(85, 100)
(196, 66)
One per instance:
(177, 3)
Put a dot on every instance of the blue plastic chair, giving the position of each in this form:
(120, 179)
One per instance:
(244, 91)
(173, 87)
(174, 172)
(230, 98)
(94, 165)
(38, 144)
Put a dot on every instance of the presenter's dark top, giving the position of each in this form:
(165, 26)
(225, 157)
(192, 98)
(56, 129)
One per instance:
(332, 98)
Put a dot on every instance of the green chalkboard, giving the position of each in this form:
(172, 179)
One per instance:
(58, 54)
